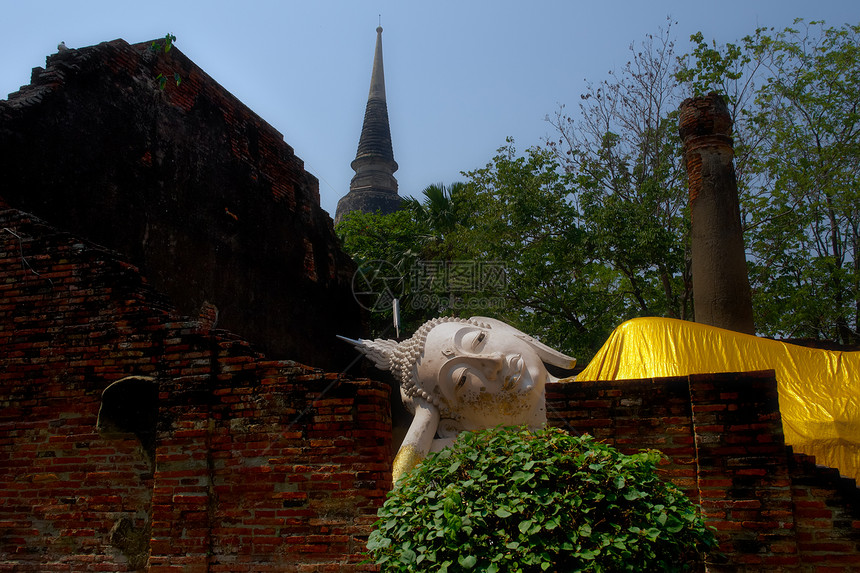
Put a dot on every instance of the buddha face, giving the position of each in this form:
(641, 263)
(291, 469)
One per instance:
(486, 376)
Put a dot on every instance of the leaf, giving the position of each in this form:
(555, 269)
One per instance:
(502, 512)
(467, 561)
(674, 525)
(520, 476)
(525, 525)
(407, 556)
(377, 541)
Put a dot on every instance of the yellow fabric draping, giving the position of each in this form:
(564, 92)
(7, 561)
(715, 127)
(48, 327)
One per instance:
(819, 390)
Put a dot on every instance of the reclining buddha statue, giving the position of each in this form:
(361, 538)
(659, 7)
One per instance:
(464, 374)
(471, 374)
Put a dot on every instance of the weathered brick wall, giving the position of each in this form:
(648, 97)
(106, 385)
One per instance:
(64, 487)
(190, 186)
(282, 474)
(826, 512)
(633, 415)
(133, 437)
(743, 475)
(722, 434)
(231, 462)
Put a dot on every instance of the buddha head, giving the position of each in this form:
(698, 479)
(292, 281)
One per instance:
(468, 374)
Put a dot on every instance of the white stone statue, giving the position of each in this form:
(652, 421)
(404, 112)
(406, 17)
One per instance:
(464, 374)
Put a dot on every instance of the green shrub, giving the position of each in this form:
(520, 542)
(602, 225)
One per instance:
(515, 500)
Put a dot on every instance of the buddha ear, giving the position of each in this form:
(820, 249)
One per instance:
(380, 351)
(546, 354)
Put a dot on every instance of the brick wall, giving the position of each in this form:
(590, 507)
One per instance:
(130, 434)
(132, 438)
(190, 185)
(722, 434)
(631, 416)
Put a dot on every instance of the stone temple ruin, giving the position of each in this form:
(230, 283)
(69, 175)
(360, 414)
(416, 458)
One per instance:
(170, 291)
(185, 182)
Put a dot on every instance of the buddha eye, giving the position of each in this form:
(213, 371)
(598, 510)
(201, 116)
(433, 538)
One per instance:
(461, 380)
(477, 338)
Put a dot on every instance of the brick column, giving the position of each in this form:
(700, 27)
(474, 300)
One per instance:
(721, 290)
(744, 482)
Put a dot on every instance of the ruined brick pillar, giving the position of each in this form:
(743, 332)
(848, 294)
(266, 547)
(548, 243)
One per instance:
(721, 290)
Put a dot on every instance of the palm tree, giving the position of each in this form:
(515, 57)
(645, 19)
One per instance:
(440, 213)
(439, 209)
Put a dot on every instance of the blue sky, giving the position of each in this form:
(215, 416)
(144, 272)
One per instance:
(461, 75)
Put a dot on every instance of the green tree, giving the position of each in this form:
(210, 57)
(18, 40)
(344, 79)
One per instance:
(519, 501)
(623, 154)
(806, 238)
(523, 217)
(439, 210)
(415, 245)
(441, 213)
(385, 249)
(797, 130)
(370, 236)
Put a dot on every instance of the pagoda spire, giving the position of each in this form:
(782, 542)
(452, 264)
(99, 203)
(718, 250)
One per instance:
(373, 187)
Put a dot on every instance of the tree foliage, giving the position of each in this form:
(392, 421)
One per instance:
(623, 153)
(592, 226)
(524, 217)
(385, 249)
(796, 94)
(409, 254)
(440, 212)
(515, 500)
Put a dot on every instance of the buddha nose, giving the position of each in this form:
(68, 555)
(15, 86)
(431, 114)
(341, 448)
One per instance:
(493, 364)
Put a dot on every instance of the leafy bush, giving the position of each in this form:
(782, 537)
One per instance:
(515, 500)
